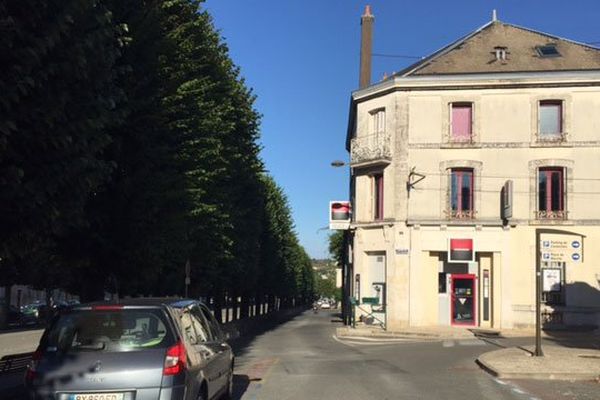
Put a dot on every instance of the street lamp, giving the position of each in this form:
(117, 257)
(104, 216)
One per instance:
(338, 163)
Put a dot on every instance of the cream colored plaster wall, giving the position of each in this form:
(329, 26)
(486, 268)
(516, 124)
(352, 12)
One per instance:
(423, 289)
(586, 118)
(505, 125)
(505, 117)
(501, 115)
(364, 125)
(430, 196)
(425, 119)
(365, 195)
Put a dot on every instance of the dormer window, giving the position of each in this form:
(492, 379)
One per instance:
(548, 50)
(500, 52)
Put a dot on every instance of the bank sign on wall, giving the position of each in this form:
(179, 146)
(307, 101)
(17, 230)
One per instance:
(561, 248)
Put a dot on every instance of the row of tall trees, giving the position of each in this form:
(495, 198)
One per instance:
(129, 147)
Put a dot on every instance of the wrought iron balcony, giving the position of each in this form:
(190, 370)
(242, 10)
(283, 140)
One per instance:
(371, 148)
(460, 214)
(553, 215)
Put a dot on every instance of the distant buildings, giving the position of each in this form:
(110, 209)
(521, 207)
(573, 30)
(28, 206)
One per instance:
(468, 154)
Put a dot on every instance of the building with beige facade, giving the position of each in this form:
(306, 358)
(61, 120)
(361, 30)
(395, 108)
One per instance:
(471, 167)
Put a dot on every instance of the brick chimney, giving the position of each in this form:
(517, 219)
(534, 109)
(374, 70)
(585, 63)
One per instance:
(366, 39)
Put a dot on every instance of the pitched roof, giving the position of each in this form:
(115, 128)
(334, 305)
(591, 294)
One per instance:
(475, 53)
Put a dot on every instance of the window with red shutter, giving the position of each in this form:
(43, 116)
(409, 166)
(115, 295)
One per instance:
(378, 197)
(461, 193)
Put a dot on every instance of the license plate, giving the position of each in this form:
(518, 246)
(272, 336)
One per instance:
(96, 396)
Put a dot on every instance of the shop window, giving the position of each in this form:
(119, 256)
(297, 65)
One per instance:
(551, 193)
(442, 282)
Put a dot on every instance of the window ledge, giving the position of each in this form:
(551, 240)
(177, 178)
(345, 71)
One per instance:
(548, 221)
(558, 141)
(460, 145)
(372, 224)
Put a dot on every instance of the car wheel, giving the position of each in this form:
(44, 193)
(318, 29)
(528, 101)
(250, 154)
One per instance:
(202, 395)
(228, 395)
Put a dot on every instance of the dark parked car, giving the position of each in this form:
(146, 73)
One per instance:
(14, 317)
(135, 350)
(34, 313)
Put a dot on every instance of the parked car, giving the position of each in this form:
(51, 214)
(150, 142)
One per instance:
(137, 349)
(34, 313)
(325, 305)
(14, 317)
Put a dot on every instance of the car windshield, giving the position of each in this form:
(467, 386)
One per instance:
(110, 330)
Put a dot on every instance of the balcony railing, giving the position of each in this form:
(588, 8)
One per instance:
(554, 215)
(460, 214)
(371, 148)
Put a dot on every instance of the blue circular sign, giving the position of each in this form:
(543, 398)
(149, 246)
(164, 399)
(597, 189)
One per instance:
(576, 244)
(576, 256)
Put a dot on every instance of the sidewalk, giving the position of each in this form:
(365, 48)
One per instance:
(568, 355)
(426, 333)
(557, 363)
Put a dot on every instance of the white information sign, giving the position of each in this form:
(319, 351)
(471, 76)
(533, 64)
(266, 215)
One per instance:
(551, 280)
(561, 248)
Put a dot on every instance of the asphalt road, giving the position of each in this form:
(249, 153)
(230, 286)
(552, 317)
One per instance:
(302, 359)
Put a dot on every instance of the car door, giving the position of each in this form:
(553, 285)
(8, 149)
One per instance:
(215, 345)
(209, 350)
(197, 337)
(225, 352)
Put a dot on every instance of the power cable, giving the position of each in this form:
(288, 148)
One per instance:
(395, 56)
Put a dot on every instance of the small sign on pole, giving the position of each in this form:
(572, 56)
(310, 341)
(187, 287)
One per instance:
(187, 276)
(340, 215)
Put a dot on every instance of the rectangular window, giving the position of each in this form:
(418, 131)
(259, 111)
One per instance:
(462, 122)
(550, 119)
(461, 193)
(441, 282)
(378, 196)
(378, 118)
(551, 193)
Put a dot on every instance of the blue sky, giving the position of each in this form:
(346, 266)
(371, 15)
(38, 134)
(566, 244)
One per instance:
(301, 60)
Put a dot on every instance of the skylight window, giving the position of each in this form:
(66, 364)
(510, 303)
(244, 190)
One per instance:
(548, 50)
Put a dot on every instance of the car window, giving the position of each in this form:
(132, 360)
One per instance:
(187, 326)
(213, 323)
(210, 334)
(114, 331)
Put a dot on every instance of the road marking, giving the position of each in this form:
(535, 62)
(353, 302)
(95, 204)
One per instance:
(471, 342)
(515, 389)
(448, 343)
(367, 341)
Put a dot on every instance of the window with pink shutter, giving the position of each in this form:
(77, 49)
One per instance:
(462, 122)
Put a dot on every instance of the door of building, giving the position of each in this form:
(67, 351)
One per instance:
(464, 300)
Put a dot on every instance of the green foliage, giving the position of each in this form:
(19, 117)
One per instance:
(336, 247)
(121, 200)
(325, 280)
(59, 97)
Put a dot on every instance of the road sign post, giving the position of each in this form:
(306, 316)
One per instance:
(187, 277)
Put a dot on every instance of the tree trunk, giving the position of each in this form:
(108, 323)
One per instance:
(218, 307)
(5, 307)
(244, 312)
